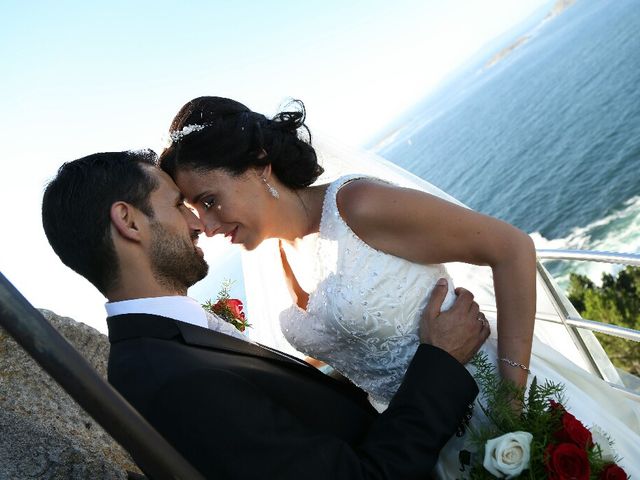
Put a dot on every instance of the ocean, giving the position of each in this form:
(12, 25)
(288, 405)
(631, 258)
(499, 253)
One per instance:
(541, 130)
(547, 137)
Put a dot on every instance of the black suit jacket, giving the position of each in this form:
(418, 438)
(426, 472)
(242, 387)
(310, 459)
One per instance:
(238, 411)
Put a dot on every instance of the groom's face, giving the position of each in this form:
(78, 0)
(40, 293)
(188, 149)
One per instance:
(174, 256)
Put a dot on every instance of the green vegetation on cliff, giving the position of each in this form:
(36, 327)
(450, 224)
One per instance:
(616, 302)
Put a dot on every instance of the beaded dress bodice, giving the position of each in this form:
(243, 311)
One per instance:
(364, 305)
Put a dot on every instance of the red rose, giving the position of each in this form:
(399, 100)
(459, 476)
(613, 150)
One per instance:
(218, 307)
(230, 310)
(567, 462)
(555, 406)
(231, 305)
(613, 472)
(236, 308)
(574, 431)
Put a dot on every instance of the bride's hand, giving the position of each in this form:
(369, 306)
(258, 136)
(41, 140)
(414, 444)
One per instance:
(460, 331)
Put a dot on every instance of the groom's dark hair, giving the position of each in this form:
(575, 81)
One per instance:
(76, 209)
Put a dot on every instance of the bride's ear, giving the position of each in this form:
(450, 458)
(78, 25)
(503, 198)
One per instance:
(264, 172)
(124, 218)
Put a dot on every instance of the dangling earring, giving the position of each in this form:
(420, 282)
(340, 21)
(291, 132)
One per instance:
(274, 193)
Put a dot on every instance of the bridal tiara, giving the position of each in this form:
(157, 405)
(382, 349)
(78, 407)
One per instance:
(186, 130)
(178, 135)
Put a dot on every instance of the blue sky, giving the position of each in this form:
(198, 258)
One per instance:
(81, 77)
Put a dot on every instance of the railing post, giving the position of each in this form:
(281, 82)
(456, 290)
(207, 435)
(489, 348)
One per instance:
(585, 341)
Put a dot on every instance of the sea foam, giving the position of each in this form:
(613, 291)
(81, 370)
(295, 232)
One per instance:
(616, 232)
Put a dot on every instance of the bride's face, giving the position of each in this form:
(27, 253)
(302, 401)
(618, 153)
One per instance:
(227, 204)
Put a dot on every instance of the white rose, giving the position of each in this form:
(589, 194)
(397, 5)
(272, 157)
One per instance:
(599, 437)
(508, 455)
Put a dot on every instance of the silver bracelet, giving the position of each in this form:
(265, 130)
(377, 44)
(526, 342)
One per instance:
(511, 363)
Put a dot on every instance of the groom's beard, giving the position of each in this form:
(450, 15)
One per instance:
(174, 260)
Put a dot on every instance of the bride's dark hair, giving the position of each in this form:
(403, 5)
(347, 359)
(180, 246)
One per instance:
(215, 132)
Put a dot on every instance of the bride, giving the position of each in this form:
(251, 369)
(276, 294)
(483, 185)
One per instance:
(359, 255)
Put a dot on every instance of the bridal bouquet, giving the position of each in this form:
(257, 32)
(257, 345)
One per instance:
(227, 308)
(544, 440)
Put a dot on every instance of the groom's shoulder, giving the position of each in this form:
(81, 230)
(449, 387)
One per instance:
(146, 347)
(142, 335)
(141, 325)
(149, 353)
(152, 343)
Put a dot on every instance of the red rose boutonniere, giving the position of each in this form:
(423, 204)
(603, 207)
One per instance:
(227, 308)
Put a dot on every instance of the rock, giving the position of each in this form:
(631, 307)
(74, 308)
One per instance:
(44, 434)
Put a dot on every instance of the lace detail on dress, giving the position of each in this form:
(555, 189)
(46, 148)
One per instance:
(362, 319)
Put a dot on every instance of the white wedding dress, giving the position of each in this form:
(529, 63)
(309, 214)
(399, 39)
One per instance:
(363, 304)
(362, 319)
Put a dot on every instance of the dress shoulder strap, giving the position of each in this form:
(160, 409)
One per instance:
(330, 214)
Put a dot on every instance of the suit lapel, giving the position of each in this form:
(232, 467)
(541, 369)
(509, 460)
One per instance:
(138, 325)
(206, 338)
(122, 327)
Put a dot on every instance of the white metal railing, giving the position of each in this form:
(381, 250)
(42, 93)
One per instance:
(579, 322)
(596, 326)
(590, 255)
(575, 324)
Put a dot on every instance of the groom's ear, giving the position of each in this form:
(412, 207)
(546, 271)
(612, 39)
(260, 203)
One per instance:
(125, 218)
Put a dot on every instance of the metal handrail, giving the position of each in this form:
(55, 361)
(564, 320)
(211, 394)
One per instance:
(66, 366)
(632, 259)
(593, 325)
(581, 323)
(574, 323)
(600, 327)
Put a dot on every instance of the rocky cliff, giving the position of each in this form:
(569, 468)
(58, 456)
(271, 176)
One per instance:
(44, 434)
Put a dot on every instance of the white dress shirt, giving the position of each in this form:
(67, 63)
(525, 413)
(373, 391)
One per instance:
(182, 309)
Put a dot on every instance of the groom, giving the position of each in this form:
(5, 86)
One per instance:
(231, 407)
